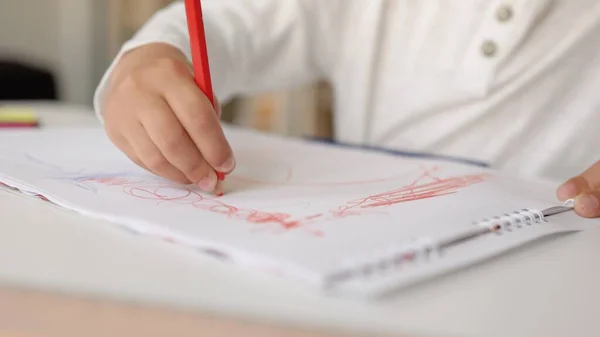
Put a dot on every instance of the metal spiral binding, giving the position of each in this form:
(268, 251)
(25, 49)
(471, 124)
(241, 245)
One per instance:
(510, 221)
(426, 248)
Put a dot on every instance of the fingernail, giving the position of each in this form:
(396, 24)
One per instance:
(228, 165)
(207, 184)
(587, 202)
(567, 191)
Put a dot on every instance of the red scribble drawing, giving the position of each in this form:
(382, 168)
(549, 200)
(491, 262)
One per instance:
(427, 185)
(188, 196)
(417, 190)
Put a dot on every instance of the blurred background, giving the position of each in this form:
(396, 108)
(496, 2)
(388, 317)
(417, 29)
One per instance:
(57, 50)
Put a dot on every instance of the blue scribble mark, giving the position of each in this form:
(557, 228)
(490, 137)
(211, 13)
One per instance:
(81, 178)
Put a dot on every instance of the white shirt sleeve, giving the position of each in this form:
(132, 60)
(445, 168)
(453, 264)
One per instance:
(254, 45)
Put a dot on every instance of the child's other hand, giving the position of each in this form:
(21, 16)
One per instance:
(161, 120)
(585, 189)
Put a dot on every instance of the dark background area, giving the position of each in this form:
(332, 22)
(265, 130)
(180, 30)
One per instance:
(26, 81)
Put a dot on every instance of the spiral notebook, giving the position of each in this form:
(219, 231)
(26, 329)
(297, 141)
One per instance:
(344, 220)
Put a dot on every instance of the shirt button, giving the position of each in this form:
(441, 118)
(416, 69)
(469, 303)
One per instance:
(489, 48)
(504, 13)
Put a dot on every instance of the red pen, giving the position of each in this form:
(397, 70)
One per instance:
(193, 9)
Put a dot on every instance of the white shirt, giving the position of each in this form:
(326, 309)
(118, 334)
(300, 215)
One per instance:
(515, 83)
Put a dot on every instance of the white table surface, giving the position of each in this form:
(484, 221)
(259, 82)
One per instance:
(546, 289)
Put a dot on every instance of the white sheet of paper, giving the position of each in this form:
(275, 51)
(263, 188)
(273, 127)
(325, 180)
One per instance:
(291, 207)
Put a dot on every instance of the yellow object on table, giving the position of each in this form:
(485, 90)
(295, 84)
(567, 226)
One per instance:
(18, 116)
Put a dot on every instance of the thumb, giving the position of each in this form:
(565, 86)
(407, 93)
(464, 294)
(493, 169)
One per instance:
(587, 204)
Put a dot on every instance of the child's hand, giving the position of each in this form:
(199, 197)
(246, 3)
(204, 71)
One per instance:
(585, 189)
(161, 120)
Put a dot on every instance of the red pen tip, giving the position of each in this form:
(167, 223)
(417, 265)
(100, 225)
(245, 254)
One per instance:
(219, 189)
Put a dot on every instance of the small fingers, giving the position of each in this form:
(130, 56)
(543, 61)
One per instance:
(151, 157)
(160, 119)
(588, 180)
(587, 204)
(169, 136)
(201, 122)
